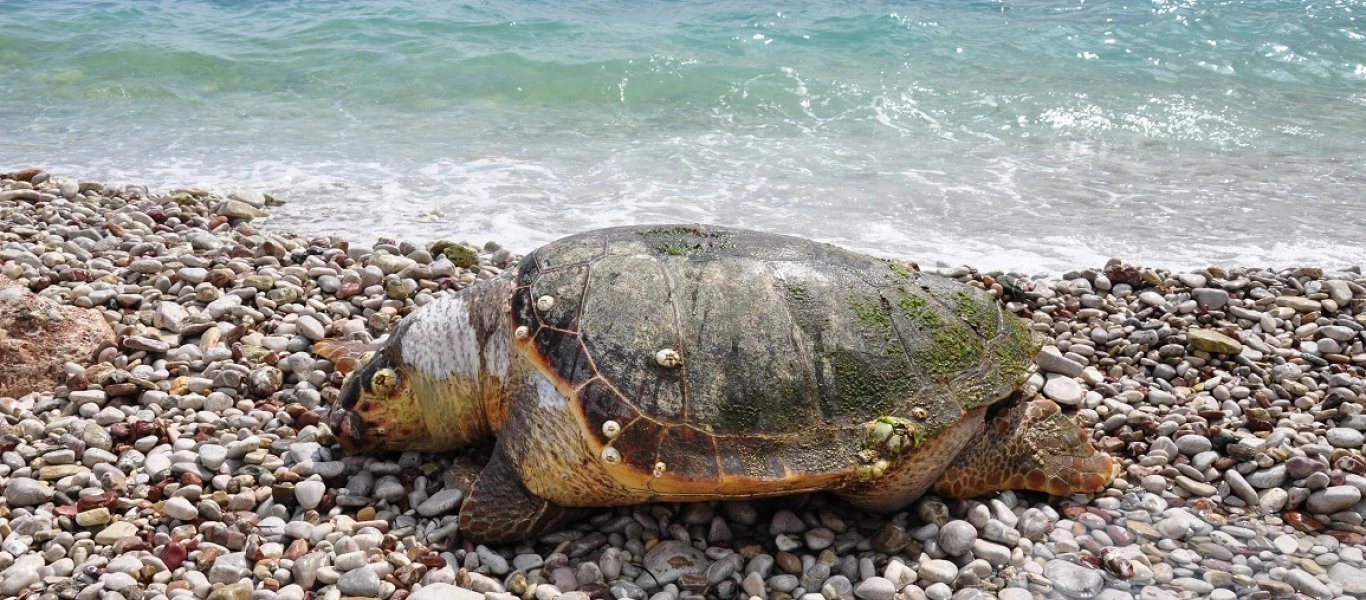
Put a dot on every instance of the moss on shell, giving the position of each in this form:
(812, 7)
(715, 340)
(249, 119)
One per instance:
(865, 387)
(985, 319)
(685, 241)
(956, 353)
(677, 249)
(869, 311)
(872, 313)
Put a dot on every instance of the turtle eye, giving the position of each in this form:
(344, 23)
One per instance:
(364, 359)
(384, 381)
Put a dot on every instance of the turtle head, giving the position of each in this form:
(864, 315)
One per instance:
(419, 391)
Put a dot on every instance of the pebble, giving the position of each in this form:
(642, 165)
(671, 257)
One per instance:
(1213, 341)
(956, 537)
(180, 508)
(359, 582)
(1190, 445)
(1210, 298)
(1271, 477)
(1050, 359)
(1307, 584)
(118, 582)
(310, 328)
(1287, 544)
(440, 503)
(212, 456)
(1333, 499)
(1351, 578)
(115, 532)
(1342, 437)
(20, 575)
(445, 591)
(309, 493)
(874, 588)
(671, 559)
(1073, 580)
(1063, 390)
(937, 571)
(23, 491)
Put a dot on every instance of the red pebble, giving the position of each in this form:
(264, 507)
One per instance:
(174, 555)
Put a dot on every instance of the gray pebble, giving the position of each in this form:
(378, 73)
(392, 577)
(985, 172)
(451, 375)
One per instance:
(440, 503)
(1307, 584)
(1073, 580)
(936, 570)
(229, 568)
(1210, 298)
(786, 521)
(118, 582)
(996, 554)
(956, 537)
(1342, 437)
(359, 582)
(180, 509)
(23, 491)
(1064, 390)
(671, 559)
(1190, 445)
(1051, 360)
(819, 538)
(1333, 499)
(1271, 477)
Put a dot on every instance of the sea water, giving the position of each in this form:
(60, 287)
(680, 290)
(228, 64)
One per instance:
(1028, 135)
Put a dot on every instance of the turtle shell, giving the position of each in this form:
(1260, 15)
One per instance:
(708, 360)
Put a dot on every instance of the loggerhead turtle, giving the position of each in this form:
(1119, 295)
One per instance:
(687, 363)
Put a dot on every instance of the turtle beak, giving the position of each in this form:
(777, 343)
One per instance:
(346, 424)
(349, 430)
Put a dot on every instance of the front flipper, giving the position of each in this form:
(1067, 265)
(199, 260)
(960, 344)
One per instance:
(1028, 446)
(500, 509)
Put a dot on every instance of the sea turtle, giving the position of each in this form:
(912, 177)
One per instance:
(688, 363)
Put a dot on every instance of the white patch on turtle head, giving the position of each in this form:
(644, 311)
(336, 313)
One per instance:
(441, 341)
(549, 397)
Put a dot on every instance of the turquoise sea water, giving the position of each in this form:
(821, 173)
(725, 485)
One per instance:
(1038, 135)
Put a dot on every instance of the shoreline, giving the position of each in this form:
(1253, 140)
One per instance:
(1234, 398)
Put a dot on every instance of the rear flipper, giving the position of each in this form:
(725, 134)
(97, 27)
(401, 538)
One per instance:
(1028, 446)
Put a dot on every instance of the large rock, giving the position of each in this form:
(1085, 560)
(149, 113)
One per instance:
(38, 336)
(1213, 342)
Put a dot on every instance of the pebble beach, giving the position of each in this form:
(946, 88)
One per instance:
(185, 459)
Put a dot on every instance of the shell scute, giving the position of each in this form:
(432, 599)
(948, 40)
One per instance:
(582, 250)
(760, 460)
(565, 356)
(600, 404)
(688, 454)
(638, 443)
(625, 321)
(563, 290)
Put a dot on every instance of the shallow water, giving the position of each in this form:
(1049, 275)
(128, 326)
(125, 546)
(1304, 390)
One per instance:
(1028, 135)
